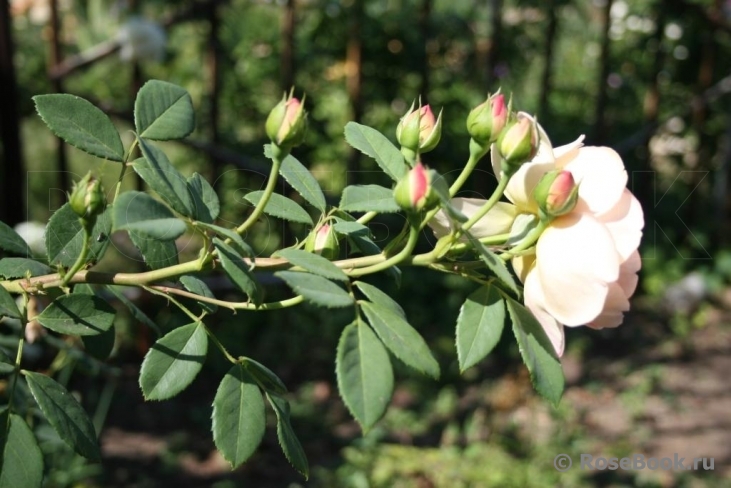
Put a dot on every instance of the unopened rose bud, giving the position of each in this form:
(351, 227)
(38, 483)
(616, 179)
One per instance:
(324, 241)
(518, 142)
(287, 123)
(87, 199)
(414, 191)
(486, 121)
(419, 130)
(556, 194)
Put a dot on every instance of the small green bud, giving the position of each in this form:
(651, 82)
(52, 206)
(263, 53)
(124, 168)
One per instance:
(286, 124)
(324, 241)
(556, 194)
(87, 199)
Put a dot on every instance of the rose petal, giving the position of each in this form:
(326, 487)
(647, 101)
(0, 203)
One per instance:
(535, 302)
(625, 222)
(601, 176)
(566, 153)
(497, 221)
(522, 265)
(628, 274)
(607, 320)
(576, 260)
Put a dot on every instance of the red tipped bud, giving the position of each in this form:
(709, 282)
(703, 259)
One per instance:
(324, 241)
(419, 130)
(486, 121)
(287, 123)
(518, 143)
(556, 194)
(414, 191)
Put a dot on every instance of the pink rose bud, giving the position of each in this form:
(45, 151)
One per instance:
(556, 194)
(287, 123)
(414, 191)
(324, 241)
(518, 143)
(486, 121)
(419, 130)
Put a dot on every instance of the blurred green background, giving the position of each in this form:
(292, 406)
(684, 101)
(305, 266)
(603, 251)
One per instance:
(649, 78)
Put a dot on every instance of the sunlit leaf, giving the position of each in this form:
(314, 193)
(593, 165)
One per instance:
(163, 111)
(81, 124)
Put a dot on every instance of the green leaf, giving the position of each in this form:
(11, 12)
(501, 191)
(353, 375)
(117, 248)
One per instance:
(138, 314)
(350, 228)
(537, 351)
(288, 441)
(380, 298)
(8, 306)
(243, 247)
(301, 180)
(164, 178)
(238, 416)
(367, 198)
(65, 237)
(479, 325)
(401, 339)
(65, 415)
(494, 264)
(238, 270)
(84, 289)
(22, 461)
(194, 285)
(163, 111)
(173, 362)
(316, 289)
(78, 314)
(314, 263)
(21, 267)
(137, 211)
(364, 374)
(81, 124)
(156, 253)
(100, 346)
(7, 365)
(374, 144)
(281, 207)
(265, 377)
(11, 242)
(205, 201)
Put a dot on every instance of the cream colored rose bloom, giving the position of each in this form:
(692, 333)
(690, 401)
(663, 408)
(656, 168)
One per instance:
(586, 262)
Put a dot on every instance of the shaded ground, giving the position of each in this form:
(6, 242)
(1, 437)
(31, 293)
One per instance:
(638, 389)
